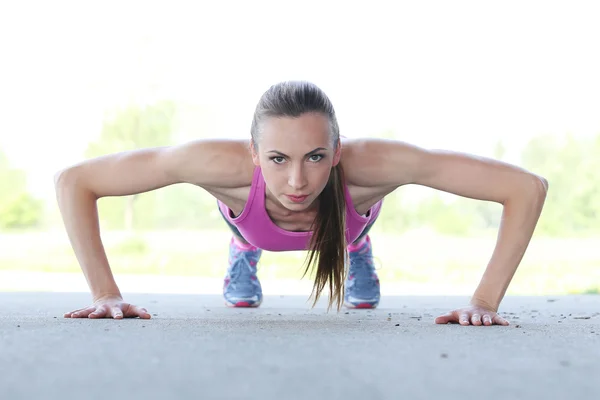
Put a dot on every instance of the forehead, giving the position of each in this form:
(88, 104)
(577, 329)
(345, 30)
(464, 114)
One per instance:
(310, 128)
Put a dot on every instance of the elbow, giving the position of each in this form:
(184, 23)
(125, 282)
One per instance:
(58, 177)
(67, 178)
(538, 190)
(73, 179)
(531, 188)
(543, 185)
(63, 176)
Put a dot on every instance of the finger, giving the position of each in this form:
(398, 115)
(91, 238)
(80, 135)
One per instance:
(464, 319)
(134, 311)
(116, 313)
(476, 319)
(142, 313)
(131, 311)
(100, 312)
(69, 314)
(446, 318)
(83, 313)
(487, 320)
(500, 321)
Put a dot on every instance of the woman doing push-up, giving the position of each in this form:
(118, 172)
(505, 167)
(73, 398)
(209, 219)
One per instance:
(296, 184)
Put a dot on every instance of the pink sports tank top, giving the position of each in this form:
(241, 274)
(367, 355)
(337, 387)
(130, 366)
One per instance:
(258, 229)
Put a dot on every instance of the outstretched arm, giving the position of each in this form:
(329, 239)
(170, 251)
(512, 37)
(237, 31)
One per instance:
(210, 163)
(521, 193)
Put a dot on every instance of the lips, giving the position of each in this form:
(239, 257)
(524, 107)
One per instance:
(296, 199)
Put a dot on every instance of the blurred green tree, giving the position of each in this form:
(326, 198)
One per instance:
(18, 208)
(571, 165)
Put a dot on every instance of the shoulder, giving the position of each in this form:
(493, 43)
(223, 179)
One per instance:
(213, 163)
(373, 162)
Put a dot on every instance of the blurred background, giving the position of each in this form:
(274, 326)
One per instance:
(515, 81)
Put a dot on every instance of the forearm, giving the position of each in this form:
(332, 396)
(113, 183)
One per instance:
(79, 211)
(519, 218)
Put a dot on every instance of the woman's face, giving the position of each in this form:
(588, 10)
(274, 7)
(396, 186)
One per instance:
(296, 156)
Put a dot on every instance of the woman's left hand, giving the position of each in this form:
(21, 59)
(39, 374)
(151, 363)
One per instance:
(472, 315)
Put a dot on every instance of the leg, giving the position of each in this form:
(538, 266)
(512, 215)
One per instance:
(362, 283)
(241, 286)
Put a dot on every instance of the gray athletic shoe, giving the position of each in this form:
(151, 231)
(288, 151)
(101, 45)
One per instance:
(241, 287)
(362, 284)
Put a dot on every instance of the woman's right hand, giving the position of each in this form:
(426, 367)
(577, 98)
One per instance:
(110, 307)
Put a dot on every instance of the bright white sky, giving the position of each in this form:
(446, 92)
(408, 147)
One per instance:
(457, 75)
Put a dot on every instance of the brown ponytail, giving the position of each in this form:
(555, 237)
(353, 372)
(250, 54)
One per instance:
(329, 241)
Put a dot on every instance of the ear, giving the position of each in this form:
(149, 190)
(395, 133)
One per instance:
(338, 153)
(255, 158)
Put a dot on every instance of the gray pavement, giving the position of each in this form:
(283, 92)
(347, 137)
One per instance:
(194, 347)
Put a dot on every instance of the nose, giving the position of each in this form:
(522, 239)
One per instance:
(297, 178)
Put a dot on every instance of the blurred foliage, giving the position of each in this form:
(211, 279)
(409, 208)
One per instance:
(571, 165)
(135, 127)
(132, 245)
(459, 217)
(18, 208)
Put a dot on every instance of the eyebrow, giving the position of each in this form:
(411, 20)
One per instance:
(307, 154)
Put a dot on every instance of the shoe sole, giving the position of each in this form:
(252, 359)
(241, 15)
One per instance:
(360, 305)
(242, 304)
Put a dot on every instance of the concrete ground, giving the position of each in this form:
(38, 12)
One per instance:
(194, 347)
